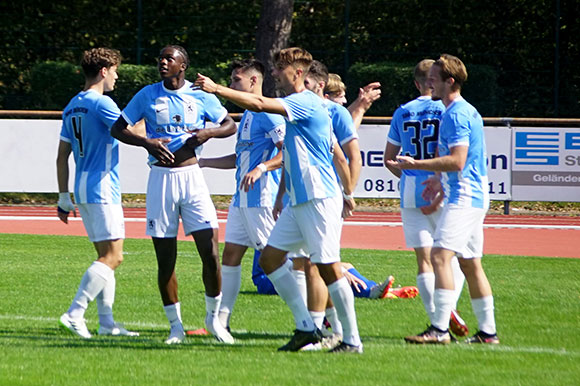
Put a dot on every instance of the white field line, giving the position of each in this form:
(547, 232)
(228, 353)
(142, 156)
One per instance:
(502, 348)
(346, 223)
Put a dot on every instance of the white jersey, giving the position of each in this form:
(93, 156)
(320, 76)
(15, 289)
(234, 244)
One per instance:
(173, 114)
(86, 125)
(258, 134)
(308, 168)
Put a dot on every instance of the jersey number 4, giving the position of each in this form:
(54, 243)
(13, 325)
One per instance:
(76, 122)
(422, 142)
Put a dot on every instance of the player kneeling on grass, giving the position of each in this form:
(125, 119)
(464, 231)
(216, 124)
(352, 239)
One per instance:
(86, 123)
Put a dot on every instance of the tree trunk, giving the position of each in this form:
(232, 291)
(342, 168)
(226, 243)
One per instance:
(273, 33)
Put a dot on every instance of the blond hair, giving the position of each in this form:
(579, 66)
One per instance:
(294, 56)
(334, 86)
(452, 67)
(421, 72)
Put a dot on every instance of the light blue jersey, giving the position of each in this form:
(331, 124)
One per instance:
(462, 125)
(173, 113)
(342, 123)
(258, 134)
(86, 125)
(308, 170)
(415, 128)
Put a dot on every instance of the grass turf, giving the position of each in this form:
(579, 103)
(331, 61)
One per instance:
(537, 311)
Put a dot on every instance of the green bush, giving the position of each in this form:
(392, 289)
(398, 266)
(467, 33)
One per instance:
(53, 84)
(397, 86)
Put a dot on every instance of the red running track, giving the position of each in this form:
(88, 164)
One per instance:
(556, 236)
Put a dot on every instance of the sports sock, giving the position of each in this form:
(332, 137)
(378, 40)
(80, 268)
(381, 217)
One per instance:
(288, 290)
(444, 302)
(458, 279)
(231, 283)
(343, 300)
(332, 318)
(484, 311)
(105, 300)
(426, 285)
(173, 313)
(364, 293)
(317, 318)
(300, 277)
(92, 284)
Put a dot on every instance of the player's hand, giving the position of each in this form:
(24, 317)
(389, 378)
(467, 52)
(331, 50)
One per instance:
(65, 206)
(277, 209)
(354, 281)
(402, 162)
(348, 207)
(369, 94)
(205, 83)
(250, 179)
(198, 137)
(433, 188)
(156, 147)
(429, 209)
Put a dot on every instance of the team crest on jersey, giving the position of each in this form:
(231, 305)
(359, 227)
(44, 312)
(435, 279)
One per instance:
(151, 224)
(177, 118)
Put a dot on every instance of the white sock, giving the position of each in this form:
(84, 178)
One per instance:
(300, 277)
(212, 305)
(317, 318)
(343, 300)
(173, 313)
(105, 300)
(286, 286)
(444, 302)
(483, 310)
(426, 285)
(458, 278)
(92, 283)
(231, 283)
(332, 318)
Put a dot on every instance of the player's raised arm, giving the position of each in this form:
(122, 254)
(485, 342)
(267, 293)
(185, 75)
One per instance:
(245, 100)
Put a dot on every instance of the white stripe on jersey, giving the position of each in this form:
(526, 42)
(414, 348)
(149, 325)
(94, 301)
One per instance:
(83, 187)
(244, 166)
(409, 193)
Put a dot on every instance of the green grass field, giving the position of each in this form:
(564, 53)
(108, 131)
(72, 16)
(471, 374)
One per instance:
(537, 310)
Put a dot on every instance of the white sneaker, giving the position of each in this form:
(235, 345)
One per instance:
(213, 325)
(331, 341)
(176, 335)
(117, 330)
(76, 326)
(312, 347)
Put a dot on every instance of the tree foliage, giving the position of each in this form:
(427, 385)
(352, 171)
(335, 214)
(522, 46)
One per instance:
(534, 61)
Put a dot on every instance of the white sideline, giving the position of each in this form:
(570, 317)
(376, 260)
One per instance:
(346, 223)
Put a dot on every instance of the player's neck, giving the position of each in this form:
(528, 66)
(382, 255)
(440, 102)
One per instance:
(451, 97)
(174, 83)
(98, 86)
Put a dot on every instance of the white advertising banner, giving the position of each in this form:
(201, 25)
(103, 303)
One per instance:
(524, 164)
(546, 164)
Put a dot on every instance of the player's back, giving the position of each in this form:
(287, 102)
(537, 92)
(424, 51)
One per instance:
(87, 120)
(415, 128)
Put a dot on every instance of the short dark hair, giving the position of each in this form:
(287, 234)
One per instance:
(249, 64)
(182, 51)
(318, 71)
(96, 58)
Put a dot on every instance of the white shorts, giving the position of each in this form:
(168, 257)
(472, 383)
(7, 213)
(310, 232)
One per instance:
(103, 221)
(460, 230)
(175, 192)
(314, 226)
(249, 226)
(419, 228)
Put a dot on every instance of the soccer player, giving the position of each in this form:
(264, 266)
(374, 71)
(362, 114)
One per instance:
(257, 161)
(415, 130)
(86, 123)
(312, 219)
(175, 116)
(461, 162)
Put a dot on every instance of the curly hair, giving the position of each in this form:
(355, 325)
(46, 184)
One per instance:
(96, 58)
